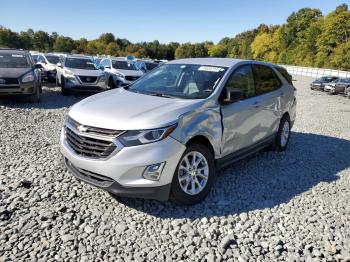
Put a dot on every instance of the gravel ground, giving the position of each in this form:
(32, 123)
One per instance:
(290, 206)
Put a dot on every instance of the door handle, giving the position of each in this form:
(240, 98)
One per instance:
(282, 94)
(257, 104)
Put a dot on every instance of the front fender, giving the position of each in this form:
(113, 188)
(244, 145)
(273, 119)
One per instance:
(201, 122)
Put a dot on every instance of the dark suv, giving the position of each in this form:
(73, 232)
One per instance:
(19, 75)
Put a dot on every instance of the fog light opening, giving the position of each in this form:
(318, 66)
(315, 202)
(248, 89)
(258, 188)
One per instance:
(153, 172)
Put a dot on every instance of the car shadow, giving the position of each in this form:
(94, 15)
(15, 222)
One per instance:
(263, 180)
(51, 98)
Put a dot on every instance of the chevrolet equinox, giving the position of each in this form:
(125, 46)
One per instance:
(165, 135)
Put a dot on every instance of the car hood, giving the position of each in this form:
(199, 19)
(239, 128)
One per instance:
(130, 72)
(13, 72)
(83, 72)
(120, 109)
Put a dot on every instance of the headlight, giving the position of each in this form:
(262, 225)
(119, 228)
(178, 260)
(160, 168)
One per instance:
(69, 74)
(28, 78)
(102, 78)
(120, 75)
(140, 137)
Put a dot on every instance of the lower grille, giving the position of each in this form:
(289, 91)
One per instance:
(8, 81)
(9, 87)
(87, 146)
(89, 176)
(88, 79)
(131, 78)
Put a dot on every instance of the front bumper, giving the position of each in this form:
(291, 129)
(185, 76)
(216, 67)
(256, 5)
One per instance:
(18, 89)
(121, 173)
(329, 89)
(78, 86)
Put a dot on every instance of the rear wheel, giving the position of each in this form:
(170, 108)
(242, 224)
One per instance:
(283, 134)
(194, 175)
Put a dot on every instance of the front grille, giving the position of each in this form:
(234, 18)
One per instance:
(87, 146)
(94, 130)
(88, 79)
(8, 81)
(131, 78)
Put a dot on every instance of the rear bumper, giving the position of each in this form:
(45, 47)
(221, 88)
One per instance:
(22, 89)
(160, 193)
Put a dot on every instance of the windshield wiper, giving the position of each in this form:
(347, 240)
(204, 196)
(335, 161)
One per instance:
(159, 94)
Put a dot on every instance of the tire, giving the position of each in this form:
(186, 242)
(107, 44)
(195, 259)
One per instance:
(111, 83)
(282, 137)
(177, 193)
(36, 97)
(63, 89)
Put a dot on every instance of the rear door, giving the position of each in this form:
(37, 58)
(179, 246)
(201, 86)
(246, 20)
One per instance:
(240, 119)
(268, 91)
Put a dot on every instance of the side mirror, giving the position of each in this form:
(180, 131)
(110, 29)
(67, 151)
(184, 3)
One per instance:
(59, 65)
(38, 66)
(232, 96)
(101, 67)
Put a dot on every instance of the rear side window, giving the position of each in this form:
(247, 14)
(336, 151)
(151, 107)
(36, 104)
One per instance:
(242, 79)
(265, 79)
(285, 74)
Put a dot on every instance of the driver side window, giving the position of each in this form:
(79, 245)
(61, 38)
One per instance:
(242, 79)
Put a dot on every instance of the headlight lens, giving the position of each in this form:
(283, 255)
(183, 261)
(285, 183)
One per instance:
(28, 78)
(140, 137)
(120, 75)
(69, 74)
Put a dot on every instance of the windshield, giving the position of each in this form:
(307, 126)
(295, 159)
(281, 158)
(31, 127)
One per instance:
(151, 66)
(13, 61)
(124, 65)
(80, 63)
(180, 80)
(53, 59)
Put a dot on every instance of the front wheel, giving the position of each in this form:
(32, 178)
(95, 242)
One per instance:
(63, 87)
(283, 134)
(36, 97)
(111, 83)
(194, 175)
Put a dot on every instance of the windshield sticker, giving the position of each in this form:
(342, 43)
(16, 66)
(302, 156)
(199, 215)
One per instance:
(210, 69)
(17, 56)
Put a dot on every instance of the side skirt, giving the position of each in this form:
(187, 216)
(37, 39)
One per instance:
(244, 152)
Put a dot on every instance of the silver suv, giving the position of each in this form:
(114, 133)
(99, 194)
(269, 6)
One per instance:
(166, 134)
(120, 71)
(78, 73)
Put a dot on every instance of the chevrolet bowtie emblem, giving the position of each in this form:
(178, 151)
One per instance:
(82, 128)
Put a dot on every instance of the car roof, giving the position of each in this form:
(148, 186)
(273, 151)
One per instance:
(13, 51)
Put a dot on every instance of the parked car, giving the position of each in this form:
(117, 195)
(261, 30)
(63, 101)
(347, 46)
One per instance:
(347, 92)
(78, 73)
(337, 86)
(146, 65)
(320, 83)
(19, 75)
(120, 71)
(49, 65)
(166, 134)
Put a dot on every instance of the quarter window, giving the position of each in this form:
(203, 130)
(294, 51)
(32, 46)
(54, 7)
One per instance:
(265, 79)
(243, 80)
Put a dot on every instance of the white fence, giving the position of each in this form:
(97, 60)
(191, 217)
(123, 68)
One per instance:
(315, 72)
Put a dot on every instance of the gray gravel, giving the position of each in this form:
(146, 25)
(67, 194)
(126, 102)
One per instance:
(291, 206)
